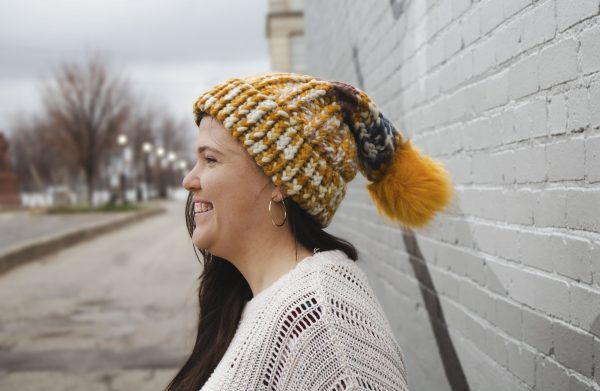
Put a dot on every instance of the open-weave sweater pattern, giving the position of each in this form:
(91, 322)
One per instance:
(317, 327)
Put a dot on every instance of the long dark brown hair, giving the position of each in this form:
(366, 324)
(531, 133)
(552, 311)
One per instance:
(223, 293)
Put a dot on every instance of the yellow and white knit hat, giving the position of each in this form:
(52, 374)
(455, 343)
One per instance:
(311, 137)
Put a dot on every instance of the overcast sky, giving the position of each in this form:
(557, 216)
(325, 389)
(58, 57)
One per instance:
(171, 50)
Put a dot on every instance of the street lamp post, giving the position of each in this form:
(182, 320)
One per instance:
(183, 168)
(171, 157)
(122, 141)
(161, 163)
(147, 149)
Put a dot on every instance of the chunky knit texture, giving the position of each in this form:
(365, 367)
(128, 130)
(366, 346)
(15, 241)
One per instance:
(318, 327)
(312, 136)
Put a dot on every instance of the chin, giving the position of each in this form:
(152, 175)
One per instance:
(201, 240)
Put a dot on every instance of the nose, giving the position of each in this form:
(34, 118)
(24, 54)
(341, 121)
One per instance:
(191, 181)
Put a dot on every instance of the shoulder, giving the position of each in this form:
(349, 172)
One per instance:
(342, 283)
(334, 331)
(338, 285)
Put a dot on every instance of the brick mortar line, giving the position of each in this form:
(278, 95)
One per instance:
(581, 81)
(500, 331)
(572, 32)
(498, 258)
(493, 71)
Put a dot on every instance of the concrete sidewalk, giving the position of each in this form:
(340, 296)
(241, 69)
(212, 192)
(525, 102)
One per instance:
(29, 235)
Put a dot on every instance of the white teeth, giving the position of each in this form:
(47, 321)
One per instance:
(201, 207)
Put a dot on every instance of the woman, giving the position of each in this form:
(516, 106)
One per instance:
(282, 304)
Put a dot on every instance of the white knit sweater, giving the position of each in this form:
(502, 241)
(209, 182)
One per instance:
(318, 327)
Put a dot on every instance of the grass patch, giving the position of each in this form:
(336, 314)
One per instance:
(105, 208)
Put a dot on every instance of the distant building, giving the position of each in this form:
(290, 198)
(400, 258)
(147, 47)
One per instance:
(9, 189)
(285, 32)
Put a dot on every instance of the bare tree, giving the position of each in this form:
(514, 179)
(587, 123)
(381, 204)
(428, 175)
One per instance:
(141, 129)
(36, 152)
(87, 107)
(170, 134)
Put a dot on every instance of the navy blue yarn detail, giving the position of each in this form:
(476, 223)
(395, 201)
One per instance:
(375, 145)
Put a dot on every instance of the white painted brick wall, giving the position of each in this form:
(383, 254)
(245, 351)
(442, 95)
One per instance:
(590, 50)
(506, 93)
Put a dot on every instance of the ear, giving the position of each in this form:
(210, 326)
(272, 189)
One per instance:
(277, 194)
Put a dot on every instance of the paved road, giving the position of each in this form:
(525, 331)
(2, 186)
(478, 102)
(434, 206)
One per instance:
(115, 313)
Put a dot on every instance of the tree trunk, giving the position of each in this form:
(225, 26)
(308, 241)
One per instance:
(89, 178)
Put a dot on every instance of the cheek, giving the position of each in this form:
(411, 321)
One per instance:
(243, 204)
(236, 192)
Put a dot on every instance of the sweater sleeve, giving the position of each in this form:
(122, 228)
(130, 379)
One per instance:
(329, 343)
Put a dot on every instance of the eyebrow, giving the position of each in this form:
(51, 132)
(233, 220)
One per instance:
(202, 148)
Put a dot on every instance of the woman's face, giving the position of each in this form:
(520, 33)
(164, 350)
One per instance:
(227, 177)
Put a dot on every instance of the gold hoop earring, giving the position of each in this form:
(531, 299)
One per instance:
(284, 214)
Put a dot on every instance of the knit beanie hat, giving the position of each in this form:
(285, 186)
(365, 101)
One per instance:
(312, 136)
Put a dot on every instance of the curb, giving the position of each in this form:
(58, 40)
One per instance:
(23, 253)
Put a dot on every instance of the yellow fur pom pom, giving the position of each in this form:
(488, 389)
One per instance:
(414, 188)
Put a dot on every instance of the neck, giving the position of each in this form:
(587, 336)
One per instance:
(262, 262)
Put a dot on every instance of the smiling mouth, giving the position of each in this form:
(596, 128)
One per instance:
(201, 208)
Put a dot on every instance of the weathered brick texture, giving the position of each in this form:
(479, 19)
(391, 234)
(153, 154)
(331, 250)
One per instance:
(507, 94)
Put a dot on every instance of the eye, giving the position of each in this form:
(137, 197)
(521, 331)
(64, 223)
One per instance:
(210, 160)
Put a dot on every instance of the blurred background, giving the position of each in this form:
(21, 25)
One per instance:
(98, 277)
(98, 283)
(95, 97)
